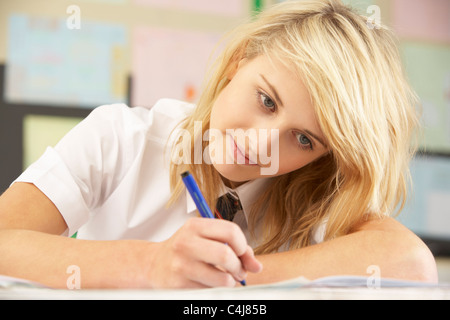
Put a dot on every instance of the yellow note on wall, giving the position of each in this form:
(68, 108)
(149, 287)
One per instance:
(40, 132)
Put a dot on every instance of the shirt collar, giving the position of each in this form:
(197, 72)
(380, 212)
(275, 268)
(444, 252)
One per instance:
(248, 193)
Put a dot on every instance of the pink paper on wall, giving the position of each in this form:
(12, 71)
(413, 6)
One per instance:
(422, 19)
(233, 8)
(169, 64)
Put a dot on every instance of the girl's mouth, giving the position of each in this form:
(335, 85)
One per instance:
(241, 157)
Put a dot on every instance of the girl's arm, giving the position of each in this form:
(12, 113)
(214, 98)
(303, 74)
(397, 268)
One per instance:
(61, 262)
(31, 248)
(383, 245)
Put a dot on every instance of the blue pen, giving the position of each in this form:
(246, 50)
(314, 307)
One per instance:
(199, 199)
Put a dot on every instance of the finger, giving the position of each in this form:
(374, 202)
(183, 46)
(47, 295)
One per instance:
(216, 254)
(249, 261)
(225, 232)
(207, 275)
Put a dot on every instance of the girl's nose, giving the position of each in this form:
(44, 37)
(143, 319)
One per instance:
(275, 129)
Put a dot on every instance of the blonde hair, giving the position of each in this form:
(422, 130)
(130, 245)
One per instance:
(363, 104)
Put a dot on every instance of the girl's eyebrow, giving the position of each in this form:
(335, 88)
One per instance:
(274, 91)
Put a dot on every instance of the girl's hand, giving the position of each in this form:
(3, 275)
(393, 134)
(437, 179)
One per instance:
(203, 253)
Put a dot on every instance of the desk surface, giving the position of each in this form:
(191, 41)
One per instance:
(316, 293)
(329, 288)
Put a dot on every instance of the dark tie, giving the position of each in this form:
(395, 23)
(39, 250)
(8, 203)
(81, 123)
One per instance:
(227, 206)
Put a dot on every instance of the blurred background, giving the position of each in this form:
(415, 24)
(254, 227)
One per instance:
(59, 59)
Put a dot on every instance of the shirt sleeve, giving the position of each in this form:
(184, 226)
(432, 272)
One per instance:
(85, 167)
(52, 177)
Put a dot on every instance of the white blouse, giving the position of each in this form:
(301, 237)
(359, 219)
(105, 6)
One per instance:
(109, 176)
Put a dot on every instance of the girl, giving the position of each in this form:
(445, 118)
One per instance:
(329, 95)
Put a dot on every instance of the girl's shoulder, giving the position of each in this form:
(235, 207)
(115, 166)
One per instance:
(166, 109)
(157, 120)
(172, 108)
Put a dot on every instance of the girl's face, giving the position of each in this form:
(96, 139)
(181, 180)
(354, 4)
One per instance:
(265, 112)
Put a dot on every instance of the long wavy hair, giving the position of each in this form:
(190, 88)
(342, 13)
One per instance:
(364, 106)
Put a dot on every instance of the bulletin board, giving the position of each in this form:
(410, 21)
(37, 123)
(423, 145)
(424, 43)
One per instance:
(424, 30)
(59, 59)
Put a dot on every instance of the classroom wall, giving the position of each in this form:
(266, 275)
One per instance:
(55, 74)
(136, 51)
(423, 28)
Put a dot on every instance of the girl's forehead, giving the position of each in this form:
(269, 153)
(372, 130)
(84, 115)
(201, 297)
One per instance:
(275, 66)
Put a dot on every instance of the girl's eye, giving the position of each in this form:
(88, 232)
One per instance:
(267, 102)
(304, 141)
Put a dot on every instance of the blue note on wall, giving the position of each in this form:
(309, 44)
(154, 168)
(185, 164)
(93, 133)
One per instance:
(50, 63)
(427, 212)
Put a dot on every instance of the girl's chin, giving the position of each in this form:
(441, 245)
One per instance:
(237, 174)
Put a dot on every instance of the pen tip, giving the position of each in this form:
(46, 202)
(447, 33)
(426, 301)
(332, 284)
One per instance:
(185, 174)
